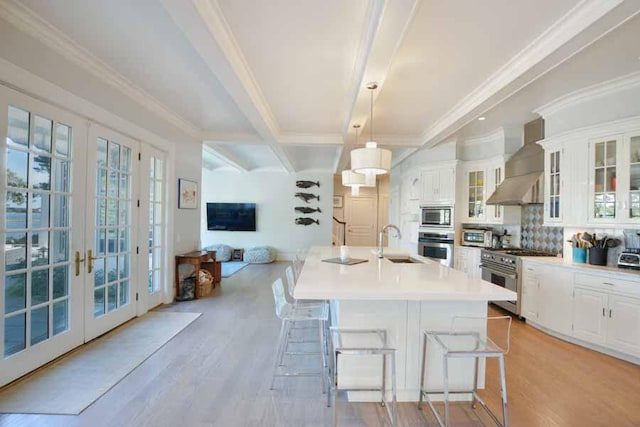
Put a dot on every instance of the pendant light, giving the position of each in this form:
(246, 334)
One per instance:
(371, 160)
(357, 180)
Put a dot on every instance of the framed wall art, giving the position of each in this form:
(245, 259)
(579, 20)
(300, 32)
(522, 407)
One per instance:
(187, 194)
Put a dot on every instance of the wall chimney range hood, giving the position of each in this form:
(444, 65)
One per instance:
(524, 172)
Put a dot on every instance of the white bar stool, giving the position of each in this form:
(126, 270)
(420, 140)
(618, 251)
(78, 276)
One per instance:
(364, 342)
(467, 338)
(291, 314)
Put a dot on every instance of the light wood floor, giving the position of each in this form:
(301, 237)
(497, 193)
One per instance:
(217, 373)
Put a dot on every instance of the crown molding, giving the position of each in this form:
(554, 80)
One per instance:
(564, 29)
(30, 23)
(622, 126)
(590, 93)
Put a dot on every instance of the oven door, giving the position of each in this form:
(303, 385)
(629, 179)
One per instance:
(504, 279)
(442, 252)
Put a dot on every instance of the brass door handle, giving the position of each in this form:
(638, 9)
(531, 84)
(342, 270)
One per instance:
(90, 259)
(77, 261)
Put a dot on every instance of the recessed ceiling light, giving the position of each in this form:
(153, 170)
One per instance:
(481, 118)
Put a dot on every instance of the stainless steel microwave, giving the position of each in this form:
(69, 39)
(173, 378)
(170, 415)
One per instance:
(436, 216)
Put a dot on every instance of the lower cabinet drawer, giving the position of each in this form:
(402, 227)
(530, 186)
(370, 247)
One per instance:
(608, 283)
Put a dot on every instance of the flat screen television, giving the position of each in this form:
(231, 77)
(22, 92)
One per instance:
(231, 216)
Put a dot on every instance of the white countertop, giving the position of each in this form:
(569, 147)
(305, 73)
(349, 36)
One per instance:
(568, 263)
(381, 279)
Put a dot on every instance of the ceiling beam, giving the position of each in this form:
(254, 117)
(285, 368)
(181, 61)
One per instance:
(224, 155)
(388, 24)
(204, 25)
(547, 51)
(37, 27)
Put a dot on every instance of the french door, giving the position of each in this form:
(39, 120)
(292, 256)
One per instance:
(42, 225)
(152, 224)
(110, 238)
(69, 219)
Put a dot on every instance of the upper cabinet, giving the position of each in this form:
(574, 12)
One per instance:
(554, 170)
(480, 179)
(634, 177)
(438, 186)
(614, 181)
(604, 160)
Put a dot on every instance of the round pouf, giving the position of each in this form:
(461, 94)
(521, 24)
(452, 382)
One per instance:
(260, 255)
(223, 252)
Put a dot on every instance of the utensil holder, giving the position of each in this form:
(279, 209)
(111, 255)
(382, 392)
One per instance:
(580, 255)
(598, 256)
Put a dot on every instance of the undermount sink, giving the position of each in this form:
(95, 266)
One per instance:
(403, 260)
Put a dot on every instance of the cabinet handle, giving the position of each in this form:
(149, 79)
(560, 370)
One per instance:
(609, 312)
(609, 284)
(603, 315)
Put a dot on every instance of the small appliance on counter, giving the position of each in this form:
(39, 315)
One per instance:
(478, 237)
(629, 258)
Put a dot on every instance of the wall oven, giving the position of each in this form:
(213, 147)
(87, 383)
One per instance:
(437, 245)
(436, 217)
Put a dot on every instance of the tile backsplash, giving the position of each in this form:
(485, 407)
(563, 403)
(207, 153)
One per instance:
(534, 235)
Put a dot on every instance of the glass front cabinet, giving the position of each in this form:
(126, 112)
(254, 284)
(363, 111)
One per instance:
(554, 175)
(615, 179)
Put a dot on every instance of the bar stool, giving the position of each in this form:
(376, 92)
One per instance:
(361, 342)
(291, 286)
(290, 314)
(464, 340)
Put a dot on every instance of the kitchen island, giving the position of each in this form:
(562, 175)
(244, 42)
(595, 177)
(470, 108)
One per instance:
(403, 298)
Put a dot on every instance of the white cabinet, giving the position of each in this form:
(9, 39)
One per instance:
(468, 260)
(614, 180)
(607, 319)
(623, 324)
(554, 174)
(438, 186)
(479, 181)
(530, 304)
(589, 308)
(607, 311)
(547, 296)
(612, 176)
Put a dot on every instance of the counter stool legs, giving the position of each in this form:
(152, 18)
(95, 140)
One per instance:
(388, 357)
(487, 352)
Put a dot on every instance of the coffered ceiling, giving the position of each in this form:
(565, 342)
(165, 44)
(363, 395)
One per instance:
(278, 84)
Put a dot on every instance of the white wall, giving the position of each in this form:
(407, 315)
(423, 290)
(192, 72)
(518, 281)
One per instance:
(273, 193)
(186, 229)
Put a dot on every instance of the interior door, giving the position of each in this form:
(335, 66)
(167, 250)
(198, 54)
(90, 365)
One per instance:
(112, 164)
(42, 225)
(153, 226)
(361, 221)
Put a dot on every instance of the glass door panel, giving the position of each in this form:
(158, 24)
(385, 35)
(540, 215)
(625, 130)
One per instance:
(110, 260)
(41, 299)
(634, 177)
(604, 205)
(153, 220)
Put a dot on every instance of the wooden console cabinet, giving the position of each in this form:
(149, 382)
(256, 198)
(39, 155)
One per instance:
(201, 260)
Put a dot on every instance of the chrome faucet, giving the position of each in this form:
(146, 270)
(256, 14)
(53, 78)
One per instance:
(381, 237)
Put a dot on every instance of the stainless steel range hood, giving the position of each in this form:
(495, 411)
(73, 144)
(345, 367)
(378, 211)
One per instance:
(524, 172)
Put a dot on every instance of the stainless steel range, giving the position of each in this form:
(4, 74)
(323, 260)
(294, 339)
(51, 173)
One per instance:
(503, 267)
